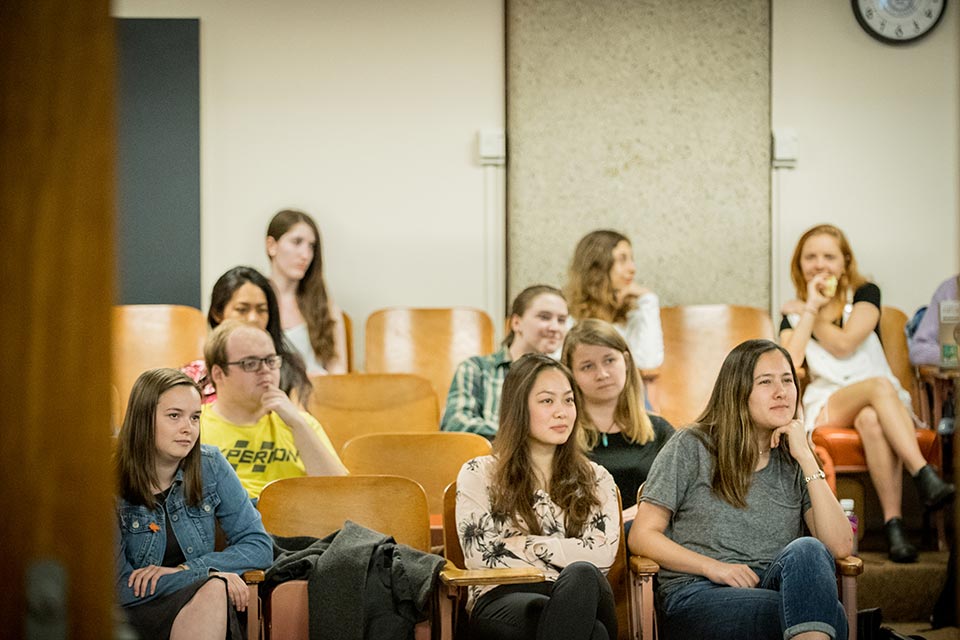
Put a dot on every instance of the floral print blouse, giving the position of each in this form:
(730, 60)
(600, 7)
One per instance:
(489, 542)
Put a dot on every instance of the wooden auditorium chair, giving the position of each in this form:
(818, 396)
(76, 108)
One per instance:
(427, 342)
(348, 331)
(456, 579)
(355, 404)
(146, 336)
(696, 339)
(318, 506)
(841, 446)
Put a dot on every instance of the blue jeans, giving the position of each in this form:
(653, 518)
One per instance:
(797, 593)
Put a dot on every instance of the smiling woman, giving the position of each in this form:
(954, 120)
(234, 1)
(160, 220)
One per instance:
(537, 501)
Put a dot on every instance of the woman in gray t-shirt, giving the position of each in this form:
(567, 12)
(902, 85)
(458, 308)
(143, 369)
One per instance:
(724, 507)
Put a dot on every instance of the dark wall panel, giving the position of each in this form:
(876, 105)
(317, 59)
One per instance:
(159, 161)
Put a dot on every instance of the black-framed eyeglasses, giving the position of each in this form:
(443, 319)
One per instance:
(253, 363)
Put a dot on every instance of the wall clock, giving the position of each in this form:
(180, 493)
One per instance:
(898, 21)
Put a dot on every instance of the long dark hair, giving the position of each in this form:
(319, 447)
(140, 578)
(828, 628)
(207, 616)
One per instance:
(312, 295)
(513, 485)
(293, 372)
(725, 426)
(136, 453)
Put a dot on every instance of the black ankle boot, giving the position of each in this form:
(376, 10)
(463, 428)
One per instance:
(934, 492)
(900, 548)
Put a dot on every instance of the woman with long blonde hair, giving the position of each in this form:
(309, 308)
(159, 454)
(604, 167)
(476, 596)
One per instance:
(539, 502)
(833, 327)
(617, 432)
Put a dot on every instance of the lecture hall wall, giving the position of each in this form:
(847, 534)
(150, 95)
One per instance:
(653, 117)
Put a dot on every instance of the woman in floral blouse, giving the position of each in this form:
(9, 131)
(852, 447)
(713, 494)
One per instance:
(539, 502)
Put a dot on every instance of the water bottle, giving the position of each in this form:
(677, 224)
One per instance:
(847, 505)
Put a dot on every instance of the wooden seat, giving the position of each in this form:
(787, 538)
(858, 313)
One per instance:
(455, 578)
(348, 331)
(432, 459)
(696, 339)
(146, 336)
(355, 404)
(427, 342)
(318, 506)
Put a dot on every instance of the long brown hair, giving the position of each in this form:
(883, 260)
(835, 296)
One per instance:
(513, 485)
(136, 453)
(311, 290)
(726, 427)
(851, 277)
(629, 413)
(589, 290)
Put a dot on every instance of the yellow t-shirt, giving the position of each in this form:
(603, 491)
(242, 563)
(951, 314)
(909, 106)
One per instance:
(260, 452)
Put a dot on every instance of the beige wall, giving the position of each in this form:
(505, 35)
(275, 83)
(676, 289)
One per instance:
(365, 115)
(878, 145)
(648, 117)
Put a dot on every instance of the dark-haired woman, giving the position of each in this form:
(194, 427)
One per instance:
(173, 491)
(724, 508)
(311, 321)
(538, 322)
(244, 294)
(539, 502)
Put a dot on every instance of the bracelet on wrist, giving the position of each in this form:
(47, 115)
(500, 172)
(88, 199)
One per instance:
(819, 475)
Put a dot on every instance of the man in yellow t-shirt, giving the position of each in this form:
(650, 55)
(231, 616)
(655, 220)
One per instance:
(260, 431)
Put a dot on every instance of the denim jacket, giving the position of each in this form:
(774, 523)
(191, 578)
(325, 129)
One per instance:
(143, 532)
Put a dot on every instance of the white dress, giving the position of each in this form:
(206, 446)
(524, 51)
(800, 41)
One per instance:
(828, 373)
(299, 338)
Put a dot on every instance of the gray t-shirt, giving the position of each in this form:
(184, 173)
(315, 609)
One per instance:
(702, 522)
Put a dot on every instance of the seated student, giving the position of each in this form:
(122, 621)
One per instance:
(539, 502)
(925, 343)
(601, 285)
(312, 321)
(619, 435)
(723, 512)
(244, 294)
(253, 422)
(833, 327)
(173, 491)
(538, 322)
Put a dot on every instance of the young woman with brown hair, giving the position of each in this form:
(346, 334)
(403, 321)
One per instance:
(311, 321)
(538, 501)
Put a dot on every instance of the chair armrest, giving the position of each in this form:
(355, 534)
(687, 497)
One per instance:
(456, 577)
(649, 375)
(849, 566)
(254, 576)
(643, 564)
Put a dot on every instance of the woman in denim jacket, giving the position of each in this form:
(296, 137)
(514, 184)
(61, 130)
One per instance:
(173, 491)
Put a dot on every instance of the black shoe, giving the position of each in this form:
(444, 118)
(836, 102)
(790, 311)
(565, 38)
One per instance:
(900, 548)
(934, 492)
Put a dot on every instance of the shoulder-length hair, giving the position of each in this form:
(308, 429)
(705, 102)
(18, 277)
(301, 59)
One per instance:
(851, 278)
(312, 295)
(629, 413)
(136, 453)
(513, 484)
(523, 301)
(589, 290)
(293, 372)
(726, 427)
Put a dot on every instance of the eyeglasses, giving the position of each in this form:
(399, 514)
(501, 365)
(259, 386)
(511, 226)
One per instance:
(253, 363)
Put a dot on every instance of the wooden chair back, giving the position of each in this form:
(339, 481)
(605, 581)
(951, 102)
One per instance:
(696, 340)
(894, 338)
(427, 342)
(355, 404)
(146, 336)
(432, 459)
(317, 506)
(618, 576)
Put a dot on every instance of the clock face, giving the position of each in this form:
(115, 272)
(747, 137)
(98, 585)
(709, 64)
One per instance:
(898, 21)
